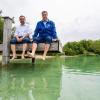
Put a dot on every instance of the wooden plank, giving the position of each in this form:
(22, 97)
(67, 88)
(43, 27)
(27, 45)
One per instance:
(1, 47)
(56, 46)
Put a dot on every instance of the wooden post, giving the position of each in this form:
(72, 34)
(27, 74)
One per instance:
(33, 60)
(6, 40)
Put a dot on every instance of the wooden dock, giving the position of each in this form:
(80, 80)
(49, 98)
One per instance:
(56, 46)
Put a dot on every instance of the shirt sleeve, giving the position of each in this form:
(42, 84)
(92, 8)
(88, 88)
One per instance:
(36, 30)
(16, 31)
(28, 30)
(31, 34)
(54, 33)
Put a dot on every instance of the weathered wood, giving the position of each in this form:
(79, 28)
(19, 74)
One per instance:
(56, 46)
(6, 40)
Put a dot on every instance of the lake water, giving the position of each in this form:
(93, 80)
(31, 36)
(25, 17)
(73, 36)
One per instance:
(74, 78)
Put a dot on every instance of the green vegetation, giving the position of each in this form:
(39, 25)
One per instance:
(1, 30)
(86, 47)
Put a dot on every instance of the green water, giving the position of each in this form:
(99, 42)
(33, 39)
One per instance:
(76, 78)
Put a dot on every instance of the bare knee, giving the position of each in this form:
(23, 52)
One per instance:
(34, 45)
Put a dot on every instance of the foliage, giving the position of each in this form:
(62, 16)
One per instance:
(85, 47)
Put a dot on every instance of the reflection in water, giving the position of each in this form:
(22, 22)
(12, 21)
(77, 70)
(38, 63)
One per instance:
(83, 64)
(24, 81)
(81, 79)
(76, 78)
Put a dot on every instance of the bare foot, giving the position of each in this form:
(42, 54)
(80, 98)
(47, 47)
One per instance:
(22, 57)
(14, 57)
(31, 55)
(28, 54)
(43, 57)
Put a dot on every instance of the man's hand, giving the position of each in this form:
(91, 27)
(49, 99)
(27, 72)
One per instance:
(26, 35)
(54, 39)
(31, 39)
(19, 39)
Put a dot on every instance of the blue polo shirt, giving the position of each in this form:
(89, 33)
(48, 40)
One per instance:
(44, 29)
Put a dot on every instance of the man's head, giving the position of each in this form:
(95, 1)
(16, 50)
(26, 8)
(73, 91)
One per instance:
(44, 15)
(22, 19)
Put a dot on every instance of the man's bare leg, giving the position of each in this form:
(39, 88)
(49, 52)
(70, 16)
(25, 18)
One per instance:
(46, 49)
(24, 49)
(34, 47)
(13, 49)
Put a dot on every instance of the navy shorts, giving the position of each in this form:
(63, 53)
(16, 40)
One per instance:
(14, 40)
(46, 40)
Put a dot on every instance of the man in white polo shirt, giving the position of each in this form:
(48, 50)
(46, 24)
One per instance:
(21, 36)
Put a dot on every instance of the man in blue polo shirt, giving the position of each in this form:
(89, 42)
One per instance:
(45, 32)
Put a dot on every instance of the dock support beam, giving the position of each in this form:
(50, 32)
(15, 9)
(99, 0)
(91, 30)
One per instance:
(6, 40)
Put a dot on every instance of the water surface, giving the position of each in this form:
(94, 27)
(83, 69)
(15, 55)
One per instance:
(75, 78)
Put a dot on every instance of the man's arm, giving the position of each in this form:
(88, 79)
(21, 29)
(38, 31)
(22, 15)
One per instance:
(54, 33)
(16, 34)
(28, 31)
(36, 30)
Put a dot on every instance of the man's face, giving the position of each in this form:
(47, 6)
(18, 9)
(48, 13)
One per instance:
(45, 16)
(22, 20)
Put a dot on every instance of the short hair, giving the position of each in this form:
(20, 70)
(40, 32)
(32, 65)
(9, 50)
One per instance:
(44, 12)
(21, 16)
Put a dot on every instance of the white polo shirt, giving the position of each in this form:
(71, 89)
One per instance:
(21, 30)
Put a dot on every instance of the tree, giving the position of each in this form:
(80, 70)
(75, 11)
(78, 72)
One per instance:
(86, 47)
(96, 47)
(0, 12)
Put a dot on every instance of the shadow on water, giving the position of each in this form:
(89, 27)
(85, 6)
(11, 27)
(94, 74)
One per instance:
(25, 81)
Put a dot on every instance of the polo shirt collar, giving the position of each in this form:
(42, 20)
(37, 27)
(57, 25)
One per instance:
(46, 20)
(23, 25)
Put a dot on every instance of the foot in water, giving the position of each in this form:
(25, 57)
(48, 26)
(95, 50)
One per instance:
(43, 57)
(22, 57)
(14, 57)
(30, 55)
